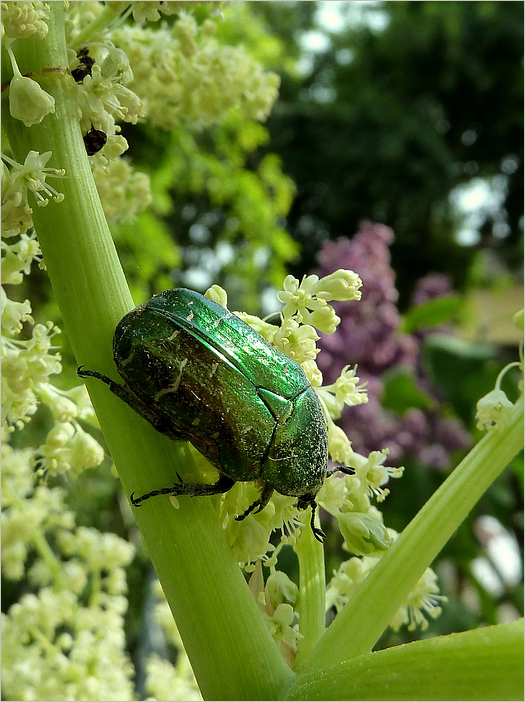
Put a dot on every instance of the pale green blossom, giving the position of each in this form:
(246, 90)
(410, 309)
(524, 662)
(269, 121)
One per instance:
(307, 301)
(32, 175)
(26, 364)
(424, 600)
(17, 258)
(166, 681)
(151, 11)
(296, 341)
(493, 410)
(183, 73)
(68, 449)
(276, 600)
(218, 295)
(123, 191)
(14, 314)
(339, 445)
(313, 374)
(56, 643)
(345, 391)
(103, 97)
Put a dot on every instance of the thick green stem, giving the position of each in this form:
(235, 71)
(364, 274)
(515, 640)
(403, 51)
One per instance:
(312, 593)
(230, 648)
(362, 621)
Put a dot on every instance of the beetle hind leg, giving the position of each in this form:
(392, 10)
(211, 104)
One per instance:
(223, 484)
(258, 505)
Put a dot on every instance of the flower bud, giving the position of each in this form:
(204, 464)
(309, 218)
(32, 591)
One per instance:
(217, 294)
(340, 285)
(28, 102)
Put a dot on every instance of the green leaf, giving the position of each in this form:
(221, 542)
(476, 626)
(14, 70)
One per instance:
(484, 664)
(433, 313)
(464, 371)
(402, 393)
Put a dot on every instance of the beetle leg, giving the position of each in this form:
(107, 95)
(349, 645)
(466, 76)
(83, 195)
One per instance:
(318, 533)
(341, 469)
(308, 501)
(135, 403)
(259, 504)
(223, 484)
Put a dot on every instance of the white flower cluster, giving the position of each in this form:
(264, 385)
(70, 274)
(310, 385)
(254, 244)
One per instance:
(54, 639)
(28, 363)
(182, 73)
(164, 75)
(424, 600)
(67, 639)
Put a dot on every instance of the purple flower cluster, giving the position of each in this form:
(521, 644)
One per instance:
(369, 336)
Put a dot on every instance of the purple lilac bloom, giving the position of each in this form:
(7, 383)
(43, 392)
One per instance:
(369, 336)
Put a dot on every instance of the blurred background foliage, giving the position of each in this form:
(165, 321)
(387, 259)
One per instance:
(396, 149)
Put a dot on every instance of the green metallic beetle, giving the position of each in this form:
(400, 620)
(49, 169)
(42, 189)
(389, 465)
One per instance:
(198, 373)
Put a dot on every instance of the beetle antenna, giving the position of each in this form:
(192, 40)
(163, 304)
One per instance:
(340, 469)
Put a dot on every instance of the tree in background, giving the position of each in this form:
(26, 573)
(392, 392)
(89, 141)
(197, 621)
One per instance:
(384, 123)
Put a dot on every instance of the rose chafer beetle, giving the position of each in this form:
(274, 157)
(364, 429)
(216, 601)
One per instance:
(198, 373)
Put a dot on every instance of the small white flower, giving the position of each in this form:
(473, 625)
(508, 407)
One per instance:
(32, 174)
(296, 341)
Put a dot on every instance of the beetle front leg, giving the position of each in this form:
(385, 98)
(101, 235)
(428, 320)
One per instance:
(223, 484)
(318, 533)
(304, 502)
(259, 504)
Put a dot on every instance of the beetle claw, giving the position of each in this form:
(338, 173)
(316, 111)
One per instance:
(319, 534)
(134, 502)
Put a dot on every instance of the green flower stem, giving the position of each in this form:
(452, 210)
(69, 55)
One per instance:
(93, 30)
(312, 592)
(46, 553)
(360, 624)
(231, 650)
(484, 664)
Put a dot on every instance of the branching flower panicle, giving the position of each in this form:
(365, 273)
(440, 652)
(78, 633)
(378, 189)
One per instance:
(423, 602)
